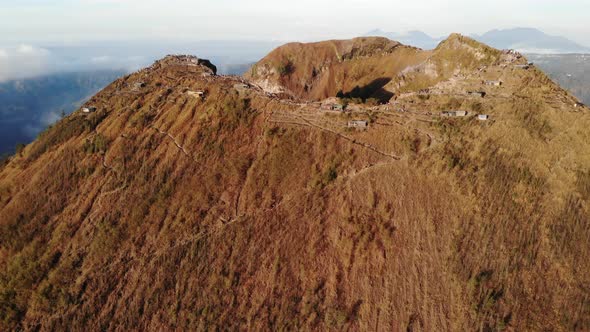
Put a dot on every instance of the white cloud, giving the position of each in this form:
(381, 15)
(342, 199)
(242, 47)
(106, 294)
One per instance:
(26, 61)
(129, 63)
(49, 118)
(101, 59)
(23, 61)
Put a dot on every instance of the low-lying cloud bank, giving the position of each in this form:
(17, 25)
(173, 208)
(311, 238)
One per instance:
(27, 61)
(23, 61)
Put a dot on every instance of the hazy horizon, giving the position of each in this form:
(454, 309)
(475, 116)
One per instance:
(40, 37)
(75, 21)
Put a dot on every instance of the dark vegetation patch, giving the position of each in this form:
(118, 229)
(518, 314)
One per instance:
(286, 68)
(372, 93)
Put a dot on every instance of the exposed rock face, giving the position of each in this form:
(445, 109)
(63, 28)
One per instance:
(201, 202)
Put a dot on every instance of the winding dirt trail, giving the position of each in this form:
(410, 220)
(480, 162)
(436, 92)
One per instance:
(178, 145)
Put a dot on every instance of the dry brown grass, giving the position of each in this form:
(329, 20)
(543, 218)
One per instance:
(350, 67)
(171, 213)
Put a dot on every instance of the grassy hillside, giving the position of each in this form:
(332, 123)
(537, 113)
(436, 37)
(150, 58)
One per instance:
(357, 68)
(167, 211)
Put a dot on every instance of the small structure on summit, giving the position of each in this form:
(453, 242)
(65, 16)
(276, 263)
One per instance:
(483, 117)
(511, 55)
(480, 94)
(493, 83)
(578, 105)
(90, 109)
(359, 124)
(186, 60)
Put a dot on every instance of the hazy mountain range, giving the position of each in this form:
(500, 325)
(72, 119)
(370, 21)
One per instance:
(526, 40)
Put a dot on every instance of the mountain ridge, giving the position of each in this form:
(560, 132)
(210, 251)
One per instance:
(348, 74)
(190, 201)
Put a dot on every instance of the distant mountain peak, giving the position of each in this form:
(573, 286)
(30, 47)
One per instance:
(415, 38)
(530, 40)
(524, 39)
(375, 32)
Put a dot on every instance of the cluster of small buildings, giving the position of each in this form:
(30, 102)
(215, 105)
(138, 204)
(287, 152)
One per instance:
(184, 60)
(460, 114)
(512, 52)
(512, 55)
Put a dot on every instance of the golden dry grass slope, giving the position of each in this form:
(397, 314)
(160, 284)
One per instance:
(366, 67)
(199, 202)
(361, 67)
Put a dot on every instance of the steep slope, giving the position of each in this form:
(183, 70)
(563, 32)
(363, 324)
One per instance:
(359, 67)
(197, 202)
(368, 67)
(456, 56)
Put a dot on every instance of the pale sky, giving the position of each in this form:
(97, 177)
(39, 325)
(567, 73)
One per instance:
(38, 37)
(72, 21)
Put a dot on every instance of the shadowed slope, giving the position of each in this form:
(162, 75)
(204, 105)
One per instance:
(320, 70)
